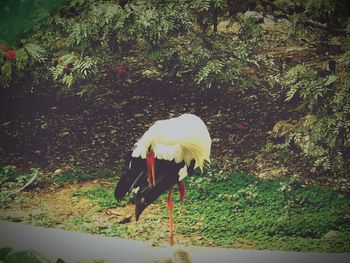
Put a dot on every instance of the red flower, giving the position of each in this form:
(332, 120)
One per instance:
(242, 127)
(10, 54)
(121, 71)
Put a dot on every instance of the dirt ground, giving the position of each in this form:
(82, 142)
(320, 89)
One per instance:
(60, 208)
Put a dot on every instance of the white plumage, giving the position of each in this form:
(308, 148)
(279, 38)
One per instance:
(183, 138)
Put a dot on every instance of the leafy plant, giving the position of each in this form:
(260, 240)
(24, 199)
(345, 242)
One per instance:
(249, 30)
(13, 181)
(208, 11)
(323, 134)
(14, 69)
(265, 211)
(102, 196)
(70, 68)
(79, 175)
(85, 39)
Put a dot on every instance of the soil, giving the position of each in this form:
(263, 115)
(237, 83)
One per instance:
(50, 133)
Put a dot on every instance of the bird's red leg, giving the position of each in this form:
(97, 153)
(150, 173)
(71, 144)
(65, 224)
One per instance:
(170, 207)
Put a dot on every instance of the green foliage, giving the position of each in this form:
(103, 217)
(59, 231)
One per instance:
(12, 180)
(319, 8)
(103, 197)
(30, 256)
(12, 71)
(71, 67)
(209, 73)
(118, 230)
(243, 206)
(323, 136)
(250, 30)
(311, 89)
(77, 175)
(17, 17)
(281, 151)
(86, 39)
(208, 11)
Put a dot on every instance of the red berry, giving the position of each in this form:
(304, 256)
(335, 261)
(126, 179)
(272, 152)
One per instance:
(10, 54)
(204, 28)
(121, 71)
(68, 68)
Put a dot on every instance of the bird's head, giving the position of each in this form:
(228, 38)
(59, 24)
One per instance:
(133, 171)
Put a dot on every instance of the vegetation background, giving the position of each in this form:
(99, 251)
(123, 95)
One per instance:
(81, 80)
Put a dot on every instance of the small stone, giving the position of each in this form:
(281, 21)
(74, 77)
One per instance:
(57, 172)
(330, 234)
(281, 129)
(257, 16)
(65, 133)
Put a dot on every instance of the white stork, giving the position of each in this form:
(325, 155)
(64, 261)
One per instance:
(167, 152)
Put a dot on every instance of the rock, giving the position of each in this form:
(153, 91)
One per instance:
(64, 133)
(57, 172)
(215, 140)
(330, 234)
(284, 21)
(268, 22)
(281, 129)
(228, 27)
(252, 14)
(271, 172)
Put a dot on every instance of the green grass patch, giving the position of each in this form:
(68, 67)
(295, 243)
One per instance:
(282, 214)
(77, 175)
(101, 196)
(12, 181)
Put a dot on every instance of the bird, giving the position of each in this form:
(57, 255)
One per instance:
(165, 154)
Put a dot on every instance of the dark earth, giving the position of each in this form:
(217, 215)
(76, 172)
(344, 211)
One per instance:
(50, 133)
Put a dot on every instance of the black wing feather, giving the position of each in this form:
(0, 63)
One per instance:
(166, 173)
(130, 177)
